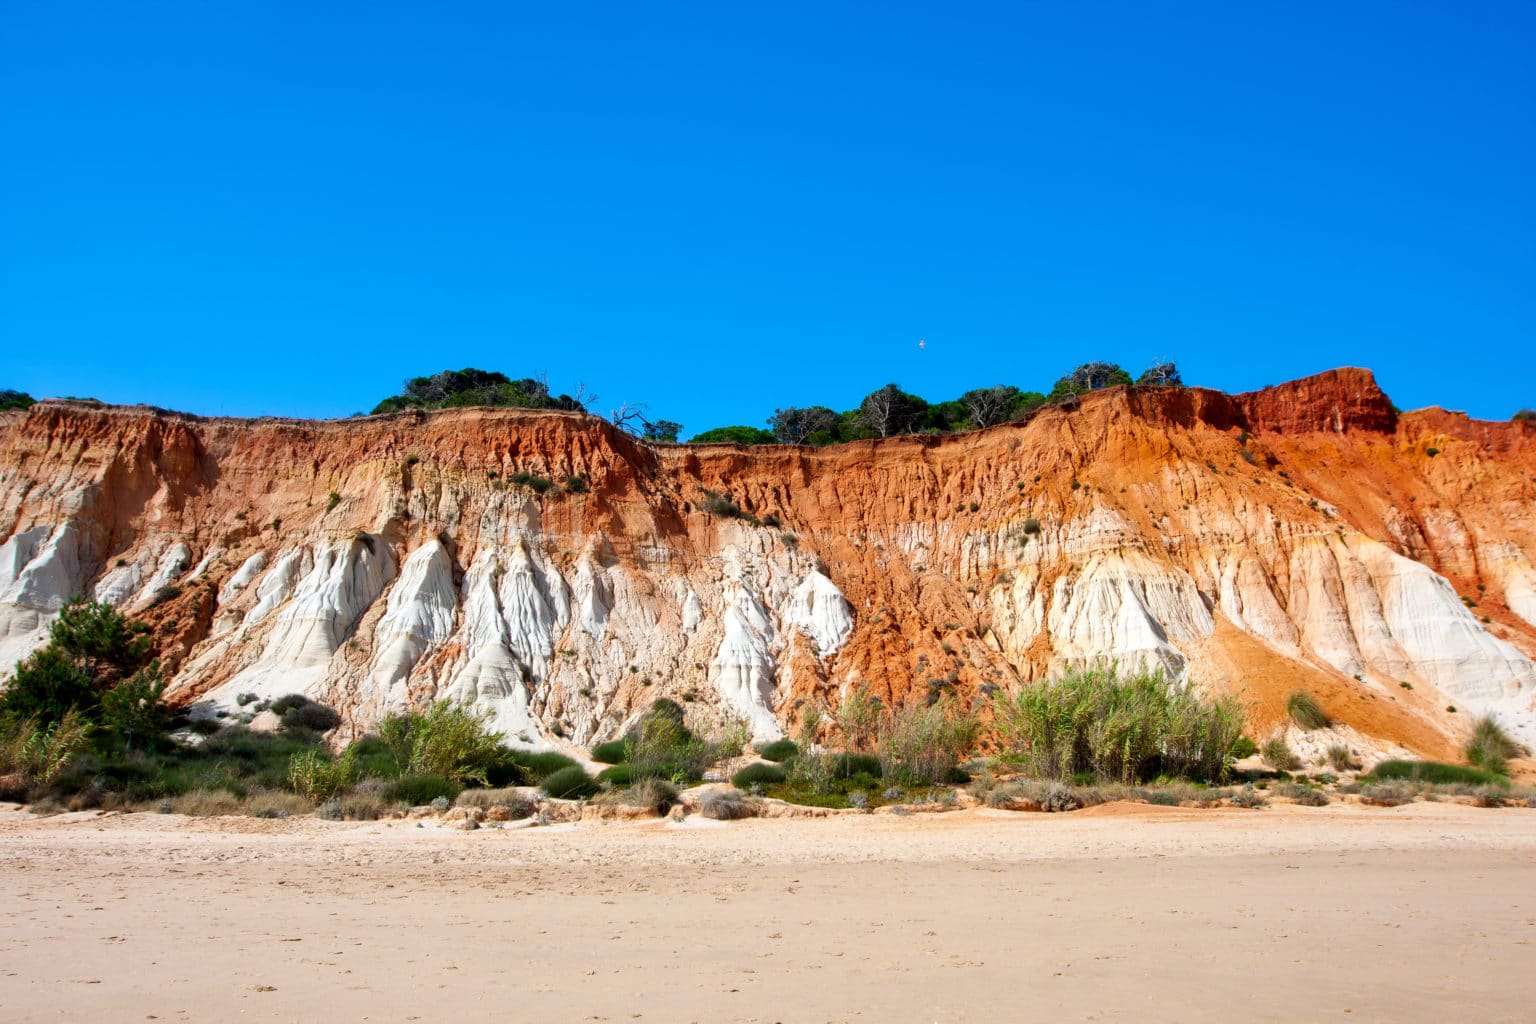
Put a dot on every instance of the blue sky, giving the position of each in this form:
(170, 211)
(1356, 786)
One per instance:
(717, 209)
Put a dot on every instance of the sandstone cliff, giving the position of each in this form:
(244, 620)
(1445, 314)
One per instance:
(1306, 535)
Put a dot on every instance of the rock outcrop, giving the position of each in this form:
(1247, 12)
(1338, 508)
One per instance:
(562, 574)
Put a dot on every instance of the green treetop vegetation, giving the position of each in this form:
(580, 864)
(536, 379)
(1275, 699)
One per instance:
(890, 411)
(886, 412)
(15, 400)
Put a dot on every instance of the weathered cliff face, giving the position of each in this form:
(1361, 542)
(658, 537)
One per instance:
(1302, 536)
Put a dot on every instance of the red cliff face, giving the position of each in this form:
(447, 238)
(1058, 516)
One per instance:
(1337, 401)
(562, 574)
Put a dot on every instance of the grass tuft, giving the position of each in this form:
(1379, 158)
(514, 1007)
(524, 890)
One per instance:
(1306, 712)
(1490, 747)
(1435, 772)
(758, 774)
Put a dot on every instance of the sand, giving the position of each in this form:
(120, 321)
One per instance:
(1120, 913)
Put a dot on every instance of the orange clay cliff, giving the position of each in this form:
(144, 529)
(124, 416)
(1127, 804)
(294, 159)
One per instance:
(562, 574)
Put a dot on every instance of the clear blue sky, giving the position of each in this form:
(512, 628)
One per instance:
(287, 208)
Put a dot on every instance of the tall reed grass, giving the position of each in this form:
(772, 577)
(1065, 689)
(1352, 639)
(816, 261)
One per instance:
(1119, 729)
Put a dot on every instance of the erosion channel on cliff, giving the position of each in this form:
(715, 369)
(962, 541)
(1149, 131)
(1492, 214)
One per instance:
(562, 574)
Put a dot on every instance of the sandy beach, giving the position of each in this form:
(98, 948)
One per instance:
(1124, 912)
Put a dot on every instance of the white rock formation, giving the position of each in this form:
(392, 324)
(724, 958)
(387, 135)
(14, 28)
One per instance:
(1128, 608)
(821, 612)
(310, 627)
(419, 617)
(39, 571)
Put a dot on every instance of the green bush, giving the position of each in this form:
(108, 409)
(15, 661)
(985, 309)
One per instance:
(924, 742)
(721, 505)
(91, 650)
(1117, 729)
(1490, 747)
(854, 765)
(286, 703)
(618, 775)
(758, 774)
(1305, 711)
(10, 399)
(1436, 772)
(41, 753)
(1243, 747)
(314, 775)
(569, 784)
(310, 715)
(419, 790)
(374, 758)
(734, 435)
(538, 765)
(612, 752)
(447, 739)
(1277, 754)
(660, 746)
(778, 751)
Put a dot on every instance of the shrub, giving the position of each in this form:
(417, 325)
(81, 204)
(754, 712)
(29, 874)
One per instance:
(375, 760)
(1307, 796)
(733, 435)
(1490, 747)
(858, 718)
(133, 711)
(39, 754)
(1120, 730)
(536, 765)
(361, 806)
(1388, 794)
(287, 703)
(419, 790)
(277, 804)
(310, 715)
(314, 775)
(1435, 772)
(726, 805)
(204, 803)
(10, 399)
(1059, 798)
(655, 794)
(1277, 754)
(1249, 797)
(925, 742)
(759, 774)
(612, 752)
(1342, 759)
(448, 739)
(717, 504)
(778, 751)
(1243, 747)
(1525, 416)
(332, 501)
(660, 746)
(1305, 711)
(618, 775)
(569, 784)
(91, 649)
(517, 803)
(850, 765)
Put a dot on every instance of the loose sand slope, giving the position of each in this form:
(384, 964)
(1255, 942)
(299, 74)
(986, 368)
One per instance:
(1417, 913)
